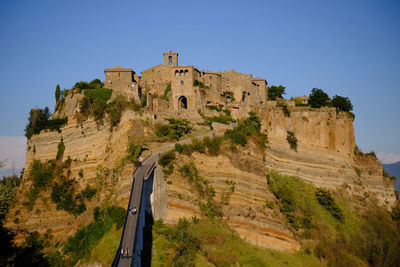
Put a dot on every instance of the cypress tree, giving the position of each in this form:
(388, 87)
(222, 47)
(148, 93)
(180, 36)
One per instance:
(58, 93)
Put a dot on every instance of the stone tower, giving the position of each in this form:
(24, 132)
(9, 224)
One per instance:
(171, 59)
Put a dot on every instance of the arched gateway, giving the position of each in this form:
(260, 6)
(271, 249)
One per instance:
(182, 103)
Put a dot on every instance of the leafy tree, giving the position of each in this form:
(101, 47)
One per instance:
(58, 93)
(275, 92)
(318, 98)
(342, 103)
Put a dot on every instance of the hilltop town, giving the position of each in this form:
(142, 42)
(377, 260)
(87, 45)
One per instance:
(269, 169)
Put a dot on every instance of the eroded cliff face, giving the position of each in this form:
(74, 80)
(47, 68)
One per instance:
(324, 157)
(246, 211)
(94, 149)
(325, 152)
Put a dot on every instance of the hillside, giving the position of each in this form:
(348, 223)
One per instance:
(284, 183)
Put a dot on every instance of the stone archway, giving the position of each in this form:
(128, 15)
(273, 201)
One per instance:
(182, 103)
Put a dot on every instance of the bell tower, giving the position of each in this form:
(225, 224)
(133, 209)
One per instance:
(171, 59)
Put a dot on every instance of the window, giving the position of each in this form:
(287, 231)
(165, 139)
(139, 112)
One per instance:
(154, 81)
(182, 82)
(170, 60)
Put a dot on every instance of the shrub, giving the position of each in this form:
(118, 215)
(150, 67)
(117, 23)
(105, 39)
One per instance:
(358, 171)
(60, 149)
(89, 192)
(167, 158)
(292, 140)
(178, 148)
(318, 98)
(275, 92)
(342, 103)
(213, 145)
(39, 119)
(166, 91)
(200, 84)
(245, 128)
(95, 102)
(80, 245)
(8, 189)
(41, 173)
(115, 110)
(326, 200)
(134, 151)
(175, 129)
(285, 108)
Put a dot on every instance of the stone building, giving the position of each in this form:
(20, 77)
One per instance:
(185, 90)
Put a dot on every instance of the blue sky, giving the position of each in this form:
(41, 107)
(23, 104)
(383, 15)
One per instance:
(348, 48)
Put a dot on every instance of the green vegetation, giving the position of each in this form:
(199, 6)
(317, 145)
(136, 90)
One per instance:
(175, 129)
(95, 102)
(104, 251)
(248, 128)
(200, 84)
(358, 171)
(86, 238)
(326, 200)
(358, 152)
(342, 103)
(39, 119)
(166, 161)
(244, 93)
(133, 153)
(167, 89)
(275, 92)
(225, 119)
(51, 174)
(60, 149)
(57, 93)
(209, 146)
(385, 174)
(318, 98)
(343, 236)
(204, 191)
(115, 110)
(8, 189)
(285, 108)
(212, 243)
(292, 140)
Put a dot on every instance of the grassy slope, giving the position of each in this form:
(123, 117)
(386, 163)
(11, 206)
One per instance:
(104, 251)
(220, 246)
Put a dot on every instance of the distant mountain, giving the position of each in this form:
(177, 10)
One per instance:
(8, 172)
(394, 169)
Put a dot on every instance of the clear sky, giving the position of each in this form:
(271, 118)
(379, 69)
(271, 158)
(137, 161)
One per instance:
(348, 48)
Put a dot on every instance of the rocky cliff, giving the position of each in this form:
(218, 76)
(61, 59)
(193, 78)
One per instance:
(325, 152)
(324, 157)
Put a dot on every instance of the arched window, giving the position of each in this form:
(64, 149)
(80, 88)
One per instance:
(181, 73)
(177, 73)
(170, 60)
(186, 72)
(182, 103)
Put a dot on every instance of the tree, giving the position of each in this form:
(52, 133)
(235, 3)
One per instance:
(318, 98)
(58, 93)
(275, 92)
(342, 103)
